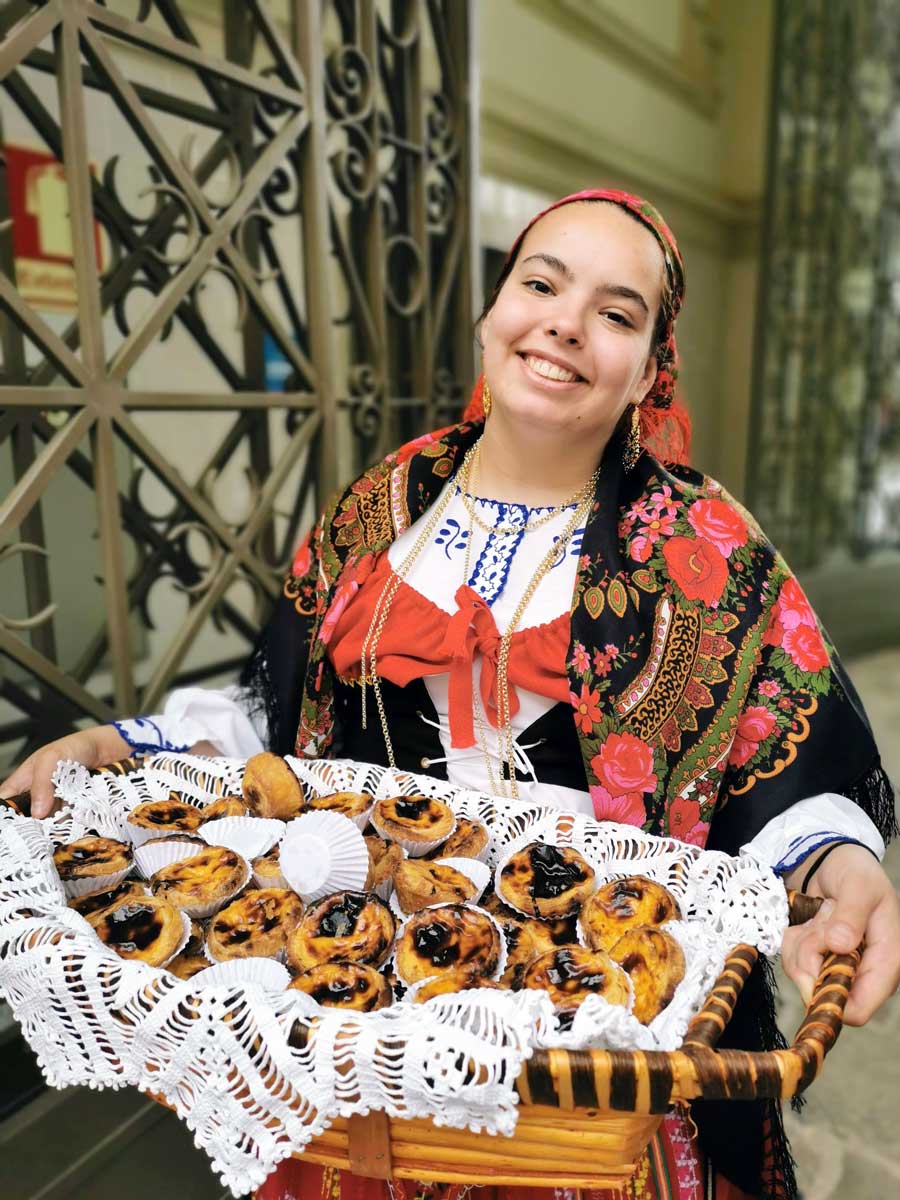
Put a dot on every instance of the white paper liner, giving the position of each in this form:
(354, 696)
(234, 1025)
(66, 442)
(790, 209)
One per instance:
(251, 837)
(321, 853)
(153, 856)
(186, 922)
(96, 883)
(477, 872)
(413, 849)
(391, 961)
(265, 972)
(200, 911)
(361, 820)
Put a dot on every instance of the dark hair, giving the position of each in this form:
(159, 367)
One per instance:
(664, 312)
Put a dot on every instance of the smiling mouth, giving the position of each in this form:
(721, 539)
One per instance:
(549, 370)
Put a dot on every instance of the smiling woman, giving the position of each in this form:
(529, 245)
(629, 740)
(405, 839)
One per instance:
(546, 603)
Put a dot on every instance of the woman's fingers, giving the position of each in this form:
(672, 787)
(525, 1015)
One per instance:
(803, 950)
(19, 781)
(878, 975)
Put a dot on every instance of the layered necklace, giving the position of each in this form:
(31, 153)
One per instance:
(582, 501)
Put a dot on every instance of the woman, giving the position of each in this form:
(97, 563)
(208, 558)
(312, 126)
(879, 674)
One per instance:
(461, 601)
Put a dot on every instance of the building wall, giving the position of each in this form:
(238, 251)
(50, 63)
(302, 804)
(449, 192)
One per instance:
(666, 99)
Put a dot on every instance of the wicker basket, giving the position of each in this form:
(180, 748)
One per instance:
(595, 1111)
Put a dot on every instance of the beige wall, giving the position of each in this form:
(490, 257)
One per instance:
(667, 98)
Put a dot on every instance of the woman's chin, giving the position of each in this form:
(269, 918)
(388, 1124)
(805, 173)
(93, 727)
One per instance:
(534, 410)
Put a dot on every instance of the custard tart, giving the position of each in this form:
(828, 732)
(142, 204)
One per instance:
(461, 980)
(267, 870)
(571, 973)
(228, 806)
(447, 938)
(91, 858)
(343, 927)
(624, 904)
(95, 905)
(203, 883)
(527, 940)
(468, 840)
(546, 881)
(144, 928)
(270, 788)
(384, 858)
(418, 823)
(654, 962)
(256, 925)
(157, 818)
(418, 883)
(345, 985)
(354, 805)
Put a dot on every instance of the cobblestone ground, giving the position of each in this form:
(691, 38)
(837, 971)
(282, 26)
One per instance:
(847, 1140)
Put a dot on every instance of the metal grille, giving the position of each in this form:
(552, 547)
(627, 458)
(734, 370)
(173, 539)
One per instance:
(265, 239)
(824, 465)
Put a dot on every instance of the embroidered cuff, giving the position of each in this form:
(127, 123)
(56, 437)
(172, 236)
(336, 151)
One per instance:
(801, 848)
(144, 736)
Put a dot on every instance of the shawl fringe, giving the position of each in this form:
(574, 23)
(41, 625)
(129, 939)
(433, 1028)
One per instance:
(874, 793)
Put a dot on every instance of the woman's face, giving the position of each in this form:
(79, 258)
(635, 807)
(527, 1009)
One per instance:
(567, 343)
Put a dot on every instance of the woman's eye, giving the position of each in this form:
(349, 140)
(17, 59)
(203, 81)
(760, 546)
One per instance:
(618, 318)
(540, 286)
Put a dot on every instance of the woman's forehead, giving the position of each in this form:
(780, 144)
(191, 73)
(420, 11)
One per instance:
(597, 237)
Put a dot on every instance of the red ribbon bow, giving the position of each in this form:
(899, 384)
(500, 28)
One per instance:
(472, 630)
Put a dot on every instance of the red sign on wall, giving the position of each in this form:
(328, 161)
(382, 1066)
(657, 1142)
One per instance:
(41, 229)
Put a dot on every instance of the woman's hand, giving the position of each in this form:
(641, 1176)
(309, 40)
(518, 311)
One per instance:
(94, 748)
(860, 903)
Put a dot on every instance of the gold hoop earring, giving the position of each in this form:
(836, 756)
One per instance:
(486, 399)
(633, 444)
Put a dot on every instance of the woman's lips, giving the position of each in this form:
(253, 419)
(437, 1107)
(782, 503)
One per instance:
(545, 380)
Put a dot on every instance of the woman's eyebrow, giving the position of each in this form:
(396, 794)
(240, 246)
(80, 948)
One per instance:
(626, 293)
(604, 289)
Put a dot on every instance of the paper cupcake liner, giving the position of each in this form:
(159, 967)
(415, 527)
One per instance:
(138, 835)
(201, 911)
(477, 872)
(265, 972)
(280, 956)
(391, 962)
(250, 837)
(360, 821)
(159, 853)
(413, 849)
(186, 937)
(321, 853)
(95, 883)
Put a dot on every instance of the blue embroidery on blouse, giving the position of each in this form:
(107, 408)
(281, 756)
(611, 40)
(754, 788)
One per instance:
(451, 536)
(574, 548)
(140, 734)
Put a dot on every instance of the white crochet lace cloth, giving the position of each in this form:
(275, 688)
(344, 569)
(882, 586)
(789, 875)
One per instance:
(256, 1073)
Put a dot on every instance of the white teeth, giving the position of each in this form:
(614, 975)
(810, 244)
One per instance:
(550, 370)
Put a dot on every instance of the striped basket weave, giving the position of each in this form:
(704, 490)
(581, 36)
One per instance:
(594, 1111)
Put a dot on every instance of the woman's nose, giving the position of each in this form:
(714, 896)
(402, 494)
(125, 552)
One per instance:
(567, 329)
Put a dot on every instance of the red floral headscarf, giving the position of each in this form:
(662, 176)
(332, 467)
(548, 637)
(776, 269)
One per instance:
(665, 424)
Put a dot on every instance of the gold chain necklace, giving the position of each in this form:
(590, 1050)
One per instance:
(463, 488)
(382, 607)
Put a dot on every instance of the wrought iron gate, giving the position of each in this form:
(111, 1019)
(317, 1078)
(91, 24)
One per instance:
(256, 277)
(824, 465)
